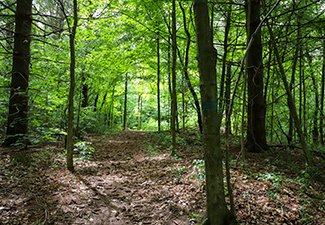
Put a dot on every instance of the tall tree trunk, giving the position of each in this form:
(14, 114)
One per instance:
(256, 134)
(272, 113)
(302, 85)
(322, 95)
(85, 91)
(103, 101)
(315, 117)
(224, 60)
(169, 81)
(140, 111)
(110, 109)
(227, 99)
(72, 30)
(185, 70)
(17, 123)
(216, 205)
(95, 102)
(125, 102)
(183, 104)
(158, 80)
(291, 88)
(174, 96)
(77, 130)
(290, 134)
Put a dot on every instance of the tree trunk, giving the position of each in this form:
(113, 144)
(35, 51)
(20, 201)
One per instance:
(140, 112)
(322, 95)
(77, 130)
(111, 113)
(292, 83)
(125, 102)
(17, 123)
(315, 117)
(169, 82)
(183, 104)
(110, 109)
(300, 69)
(73, 30)
(224, 60)
(158, 80)
(227, 99)
(256, 134)
(85, 91)
(216, 205)
(174, 96)
(103, 102)
(95, 102)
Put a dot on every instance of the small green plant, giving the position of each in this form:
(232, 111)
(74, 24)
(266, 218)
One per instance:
(180, 141)
(275, 179)
(199, 168)
(152, 150)
(179, 172)
(84, 149)
(305, 212)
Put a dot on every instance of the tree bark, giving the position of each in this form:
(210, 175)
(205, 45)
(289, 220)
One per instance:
(227, 99)
(125, 102)
(224, 60)
(158, 80)
(17, 123)
(216, 206)
(315, 117)
(70, 132)
(173, 84)
(322, 95)
(140, 111)
(85, 91)
(169, 82)
(95, 102)
(256, 134)
(292, 83)
(103, 101)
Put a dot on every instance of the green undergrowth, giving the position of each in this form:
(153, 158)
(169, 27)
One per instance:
(84, 150)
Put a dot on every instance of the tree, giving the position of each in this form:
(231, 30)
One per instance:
(322, 97)
(217, 211)
(17, 123)
(125, 102)
(72, 36)
(158, 81)
(173, 82)
(256, 134)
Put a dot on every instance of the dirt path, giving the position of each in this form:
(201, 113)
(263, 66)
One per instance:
(133, 180)
(124, 184)
(141, 188)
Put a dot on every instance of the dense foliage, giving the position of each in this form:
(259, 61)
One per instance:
(117, 40)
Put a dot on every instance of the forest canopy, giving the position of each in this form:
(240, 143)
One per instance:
(117, 41)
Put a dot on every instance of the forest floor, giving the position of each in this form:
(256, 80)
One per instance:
(133, 179)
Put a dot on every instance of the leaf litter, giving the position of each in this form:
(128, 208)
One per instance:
(127, 184)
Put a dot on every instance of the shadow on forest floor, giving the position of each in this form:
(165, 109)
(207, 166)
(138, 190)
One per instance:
(133, 179)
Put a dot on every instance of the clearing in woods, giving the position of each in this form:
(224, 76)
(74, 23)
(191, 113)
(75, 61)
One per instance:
(133, 179)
